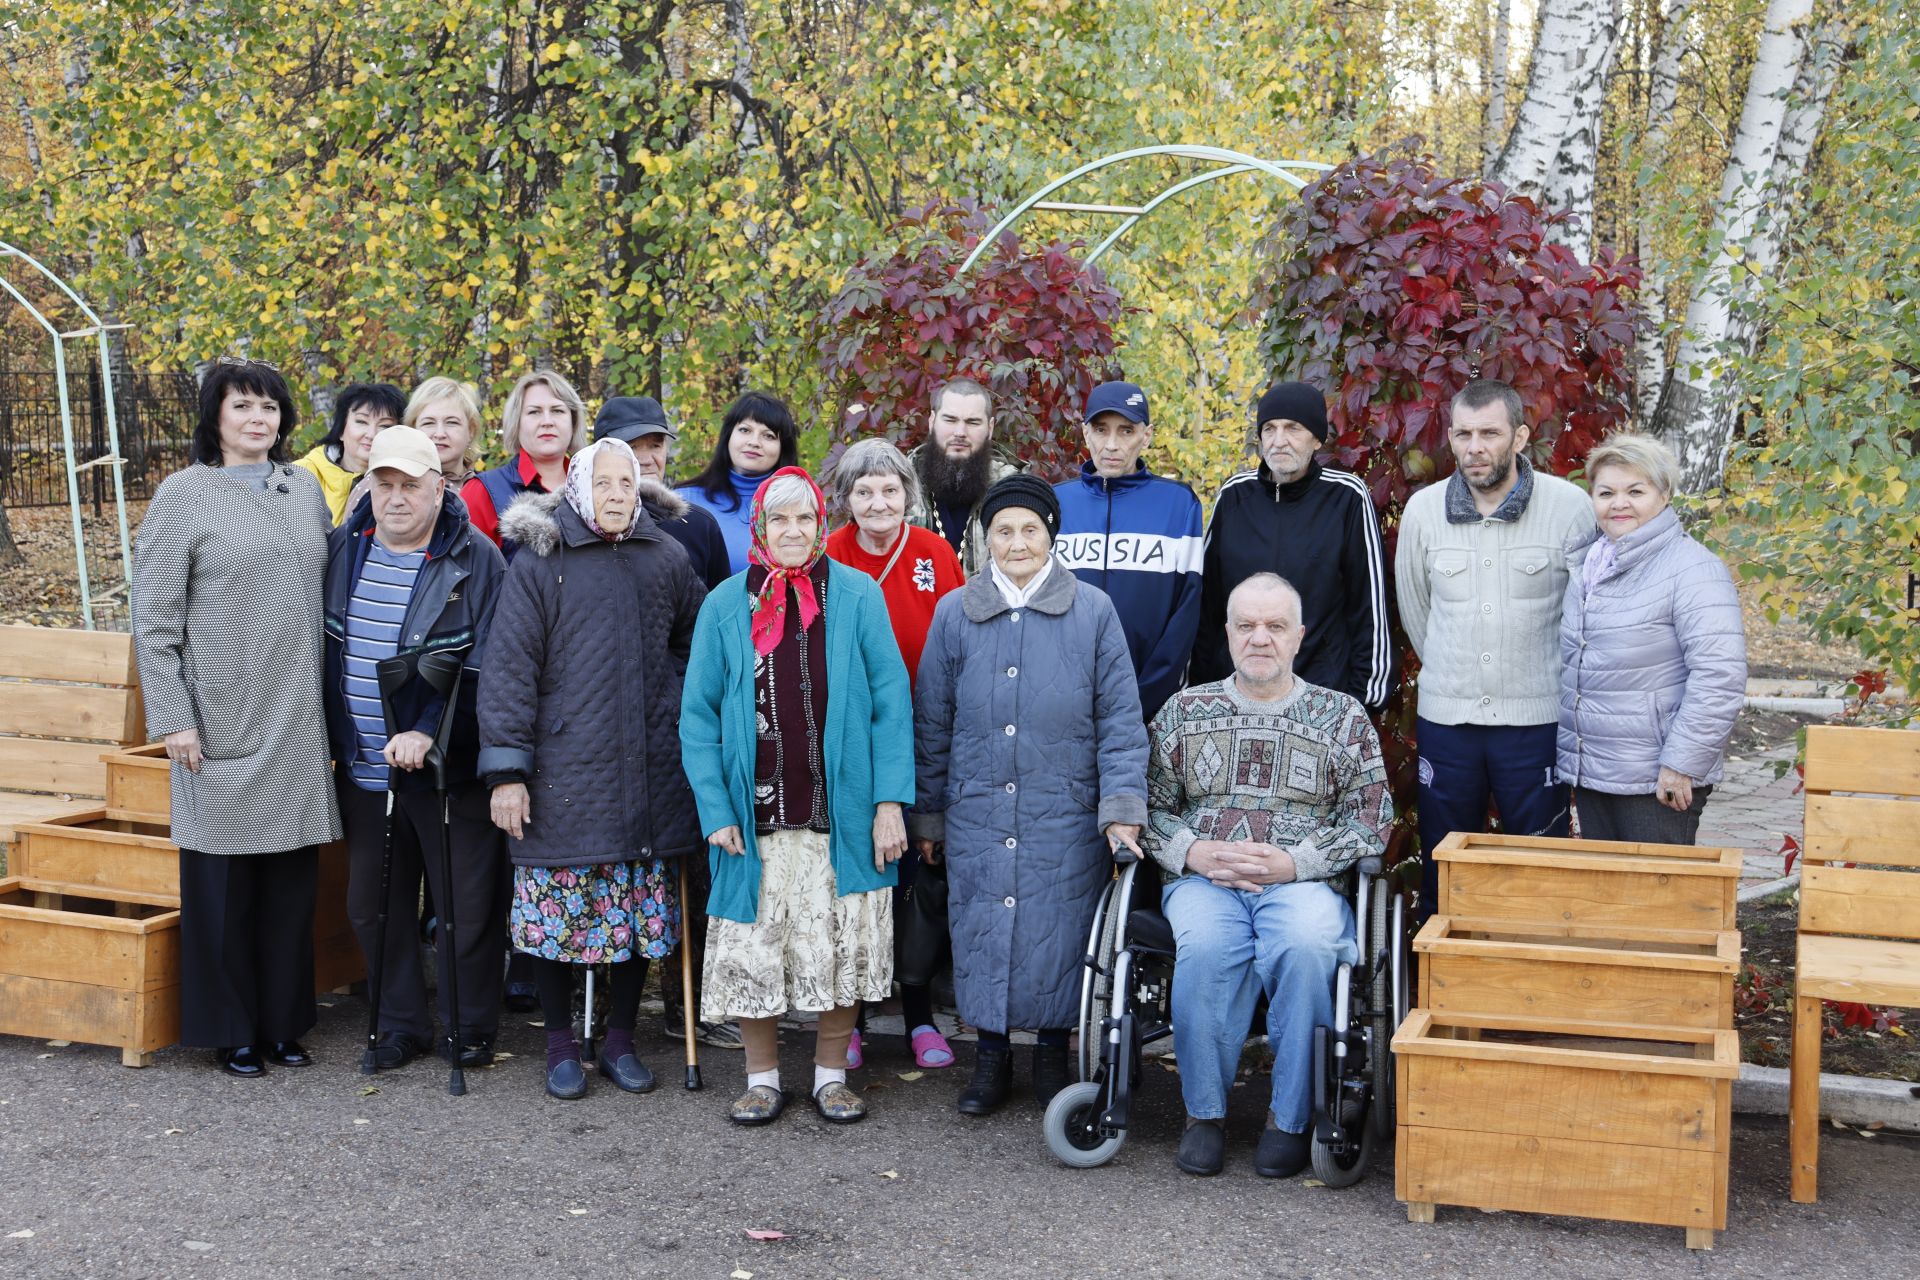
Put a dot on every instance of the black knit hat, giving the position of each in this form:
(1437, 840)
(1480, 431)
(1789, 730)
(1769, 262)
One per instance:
(1029, 492)
(1299, 402)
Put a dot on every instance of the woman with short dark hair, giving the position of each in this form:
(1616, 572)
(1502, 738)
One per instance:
(757, 438)
(339, 461)
(229, 574)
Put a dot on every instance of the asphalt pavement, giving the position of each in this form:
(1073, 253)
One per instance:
(177, 1170)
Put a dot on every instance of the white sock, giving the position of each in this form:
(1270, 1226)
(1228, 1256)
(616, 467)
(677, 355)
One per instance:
(824, 1076)
(771, 1079)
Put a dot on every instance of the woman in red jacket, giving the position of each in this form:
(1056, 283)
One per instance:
(914, 568)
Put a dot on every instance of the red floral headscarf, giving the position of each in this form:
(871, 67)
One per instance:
(770, 606)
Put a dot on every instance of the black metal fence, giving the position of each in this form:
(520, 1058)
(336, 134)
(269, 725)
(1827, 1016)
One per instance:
(154, 412)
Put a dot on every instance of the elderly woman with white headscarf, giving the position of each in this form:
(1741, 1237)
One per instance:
(579, 704)
(797, 734)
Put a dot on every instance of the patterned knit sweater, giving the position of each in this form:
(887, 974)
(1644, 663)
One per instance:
(1303, 773)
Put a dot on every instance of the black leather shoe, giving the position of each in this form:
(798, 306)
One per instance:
(628, 1072)
(522, 997)
(395, 1049)
(477, 1051)
(1050, 1072)
(568, 1080)
(1281, 1154)
(244, 1062)
(1203, 1148)
(992, 1081)
(289, 1053)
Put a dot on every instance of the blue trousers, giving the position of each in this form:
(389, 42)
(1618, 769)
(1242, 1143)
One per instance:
(1285, 942)
(1462, 765)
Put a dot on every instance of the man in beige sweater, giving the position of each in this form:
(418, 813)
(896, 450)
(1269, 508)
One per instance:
(1481, 574)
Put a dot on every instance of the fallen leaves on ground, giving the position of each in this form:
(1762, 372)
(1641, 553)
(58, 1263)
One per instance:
(766, 1235)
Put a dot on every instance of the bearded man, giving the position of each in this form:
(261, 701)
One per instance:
(957, 464)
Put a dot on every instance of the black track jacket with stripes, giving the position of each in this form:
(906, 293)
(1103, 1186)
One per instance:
(1321, 534)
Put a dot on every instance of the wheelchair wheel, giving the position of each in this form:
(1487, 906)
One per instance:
(1385, 910)
(1096, 989)
(1343, 1170)
(1072, 1127)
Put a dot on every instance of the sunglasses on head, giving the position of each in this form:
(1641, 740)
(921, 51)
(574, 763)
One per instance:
(242, 362)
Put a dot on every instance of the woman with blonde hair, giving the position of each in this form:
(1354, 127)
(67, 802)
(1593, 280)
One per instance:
(544, 424)
(1653, 655)
(447, 411)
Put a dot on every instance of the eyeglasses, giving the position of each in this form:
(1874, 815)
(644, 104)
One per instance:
(242, 362)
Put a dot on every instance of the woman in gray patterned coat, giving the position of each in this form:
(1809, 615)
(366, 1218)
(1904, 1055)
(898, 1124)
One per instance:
(230, 568)
(1032, 768)
(1653, 650)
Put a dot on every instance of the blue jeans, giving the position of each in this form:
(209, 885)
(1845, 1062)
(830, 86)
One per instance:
(1286, 941)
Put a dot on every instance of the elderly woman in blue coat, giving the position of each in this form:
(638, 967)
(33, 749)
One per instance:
(1653, 656)
(1033, 764)
(796, 728)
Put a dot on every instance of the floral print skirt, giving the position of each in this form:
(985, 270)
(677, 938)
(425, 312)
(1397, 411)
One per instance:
(597, 913)
(807, 948)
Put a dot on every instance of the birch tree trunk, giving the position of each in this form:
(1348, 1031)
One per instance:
(1663, 92)
(1566, 86)
(1493, 134)
(1570, 178)
(1697, 406)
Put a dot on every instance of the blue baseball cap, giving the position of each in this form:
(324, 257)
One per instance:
(1123, 398)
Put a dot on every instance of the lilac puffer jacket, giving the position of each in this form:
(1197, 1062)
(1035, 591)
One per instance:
(1653, 662)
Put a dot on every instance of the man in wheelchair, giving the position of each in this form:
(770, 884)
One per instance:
(1263, 790)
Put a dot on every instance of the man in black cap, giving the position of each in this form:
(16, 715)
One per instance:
(1315, 527)
(642, 423)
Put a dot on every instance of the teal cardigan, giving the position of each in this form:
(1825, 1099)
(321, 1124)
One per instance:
(868, 734)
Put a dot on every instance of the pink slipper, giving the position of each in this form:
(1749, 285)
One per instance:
(855, 1059)
(930, 1049)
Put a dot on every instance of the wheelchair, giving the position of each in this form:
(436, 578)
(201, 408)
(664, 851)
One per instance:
(1126, 1004)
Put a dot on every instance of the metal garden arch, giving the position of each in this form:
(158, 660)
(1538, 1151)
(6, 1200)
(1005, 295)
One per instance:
(97, 329)
(1224, 163)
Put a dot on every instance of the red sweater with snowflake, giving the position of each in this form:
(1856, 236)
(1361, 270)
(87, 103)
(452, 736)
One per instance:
(926, 570)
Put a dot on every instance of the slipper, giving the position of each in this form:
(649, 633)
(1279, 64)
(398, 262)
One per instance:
(760, 1104)
(855, 1058)
(930, 1049)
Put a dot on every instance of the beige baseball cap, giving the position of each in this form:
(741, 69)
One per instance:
(404, 449)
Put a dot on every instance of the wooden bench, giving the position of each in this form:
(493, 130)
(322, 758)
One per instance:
(63, 695)
(1859, 902)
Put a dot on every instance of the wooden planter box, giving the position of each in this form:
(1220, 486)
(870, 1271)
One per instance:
(115, 855)
(1593, 1120)
(138, 784)
(81, 964)
(1673, 977)
(1587, 882)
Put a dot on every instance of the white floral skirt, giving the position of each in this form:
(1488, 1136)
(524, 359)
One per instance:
(807, 949)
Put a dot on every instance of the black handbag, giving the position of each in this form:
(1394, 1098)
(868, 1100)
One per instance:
(921, 929)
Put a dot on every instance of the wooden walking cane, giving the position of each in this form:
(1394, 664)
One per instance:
(686, 983)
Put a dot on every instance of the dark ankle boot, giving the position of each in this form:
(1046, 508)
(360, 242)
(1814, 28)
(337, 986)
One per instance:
(1050, 1072)
(992, 1081)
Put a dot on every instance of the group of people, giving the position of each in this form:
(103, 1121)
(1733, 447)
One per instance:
(695, 717)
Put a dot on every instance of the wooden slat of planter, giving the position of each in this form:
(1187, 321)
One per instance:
(1863, 829)
(1678, 900)
(1615, 1181)
(1463, 845)
(51, 765)
(1486, 984)
(139, 784)
(85, 849)
(55, 653)
(68, 944)
(49, 1009)
(1867, 760)
(71, 711)
(18, 808)
(1881, 904)
(1557, 1102)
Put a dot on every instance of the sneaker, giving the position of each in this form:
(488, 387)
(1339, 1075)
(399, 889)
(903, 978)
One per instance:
(720, 1035)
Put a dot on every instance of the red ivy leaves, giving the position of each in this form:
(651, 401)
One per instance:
(1035, 325)
(1391, 287)
(1790, 847)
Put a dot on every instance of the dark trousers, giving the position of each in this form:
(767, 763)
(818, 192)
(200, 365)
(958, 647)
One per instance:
(246, 947)
(479, 898)
(1463, 765)
(1641, 819)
